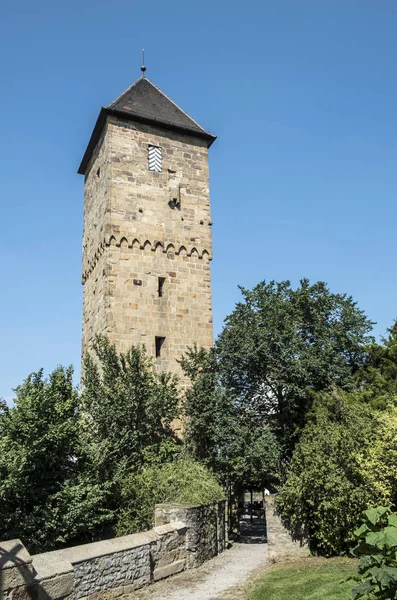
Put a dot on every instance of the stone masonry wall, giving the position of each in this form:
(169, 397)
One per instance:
(95, 301)
(96, 203)
(280, 543)
(118, 566)
(206, 528)
(183, 314)
(134, 234)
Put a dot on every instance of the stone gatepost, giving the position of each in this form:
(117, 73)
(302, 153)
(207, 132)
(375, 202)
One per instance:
(205, 528)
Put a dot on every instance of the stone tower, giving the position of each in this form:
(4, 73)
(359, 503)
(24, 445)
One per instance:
(147, 227)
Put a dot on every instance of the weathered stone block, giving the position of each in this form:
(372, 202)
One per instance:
(167, 570)
(24, 592)
(54, 574)
(15, 566)
(60, 586)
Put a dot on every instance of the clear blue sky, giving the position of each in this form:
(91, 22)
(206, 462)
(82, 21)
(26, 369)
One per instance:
(302, 95)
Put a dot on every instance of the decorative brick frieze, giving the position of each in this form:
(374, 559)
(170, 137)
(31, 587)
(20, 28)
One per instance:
(154, 246)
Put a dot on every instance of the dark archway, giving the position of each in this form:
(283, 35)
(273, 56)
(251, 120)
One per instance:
(252, 517)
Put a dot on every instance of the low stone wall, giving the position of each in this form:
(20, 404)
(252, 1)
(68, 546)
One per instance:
(183, 537)
(280, 542)
(206, 528)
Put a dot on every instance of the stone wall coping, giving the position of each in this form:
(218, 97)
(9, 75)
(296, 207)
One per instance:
(177, 526)
(78, 554)
(106, 569)
(13, 554)
(112, 546)
(51, 564)
(57, 562)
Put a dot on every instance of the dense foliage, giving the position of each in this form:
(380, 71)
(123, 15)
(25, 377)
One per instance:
(128, 410)
(184, 481)
(346, 458)
(377, 377)
(326, 489)
(261, 411)
(377, 549)
(44, 498)
(378, 463)
(280, 344)
(228, 436)
(71, 465)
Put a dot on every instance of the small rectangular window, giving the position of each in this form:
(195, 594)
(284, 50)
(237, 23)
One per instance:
(155, 159)
(159, 344)
(160, 286)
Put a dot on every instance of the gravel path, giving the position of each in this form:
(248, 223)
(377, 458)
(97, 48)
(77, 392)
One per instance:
(213, 579)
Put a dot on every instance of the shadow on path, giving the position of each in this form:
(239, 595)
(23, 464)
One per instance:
(252, 533)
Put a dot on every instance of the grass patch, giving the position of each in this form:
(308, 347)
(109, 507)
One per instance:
(306, 579)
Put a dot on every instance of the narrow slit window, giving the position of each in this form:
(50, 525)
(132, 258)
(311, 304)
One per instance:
(159, 344)
(155, 158)
(161, 282)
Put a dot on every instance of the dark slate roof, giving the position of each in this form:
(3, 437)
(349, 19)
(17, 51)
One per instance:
(145, 103)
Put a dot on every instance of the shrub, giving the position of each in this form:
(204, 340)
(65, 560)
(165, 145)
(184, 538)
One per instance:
(326, 490)
(377, 549)
(183, 481)
(378, 462)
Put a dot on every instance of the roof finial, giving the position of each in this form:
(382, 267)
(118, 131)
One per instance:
(143, 68)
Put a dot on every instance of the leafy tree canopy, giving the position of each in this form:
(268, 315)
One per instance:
(128, 409)
(377, 377)
(64, 459)
(280, 344)
(232, 439)
(44, 499)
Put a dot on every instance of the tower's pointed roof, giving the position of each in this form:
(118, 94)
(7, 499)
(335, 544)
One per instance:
(145, 103)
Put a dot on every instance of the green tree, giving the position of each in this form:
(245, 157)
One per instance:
(327, 489)
(63, 459)
(210, 412)
(257, 460)
(128, 410)
(377, 378)
(67, 462)
(230, 438)
(280, 344)
(39, 461)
